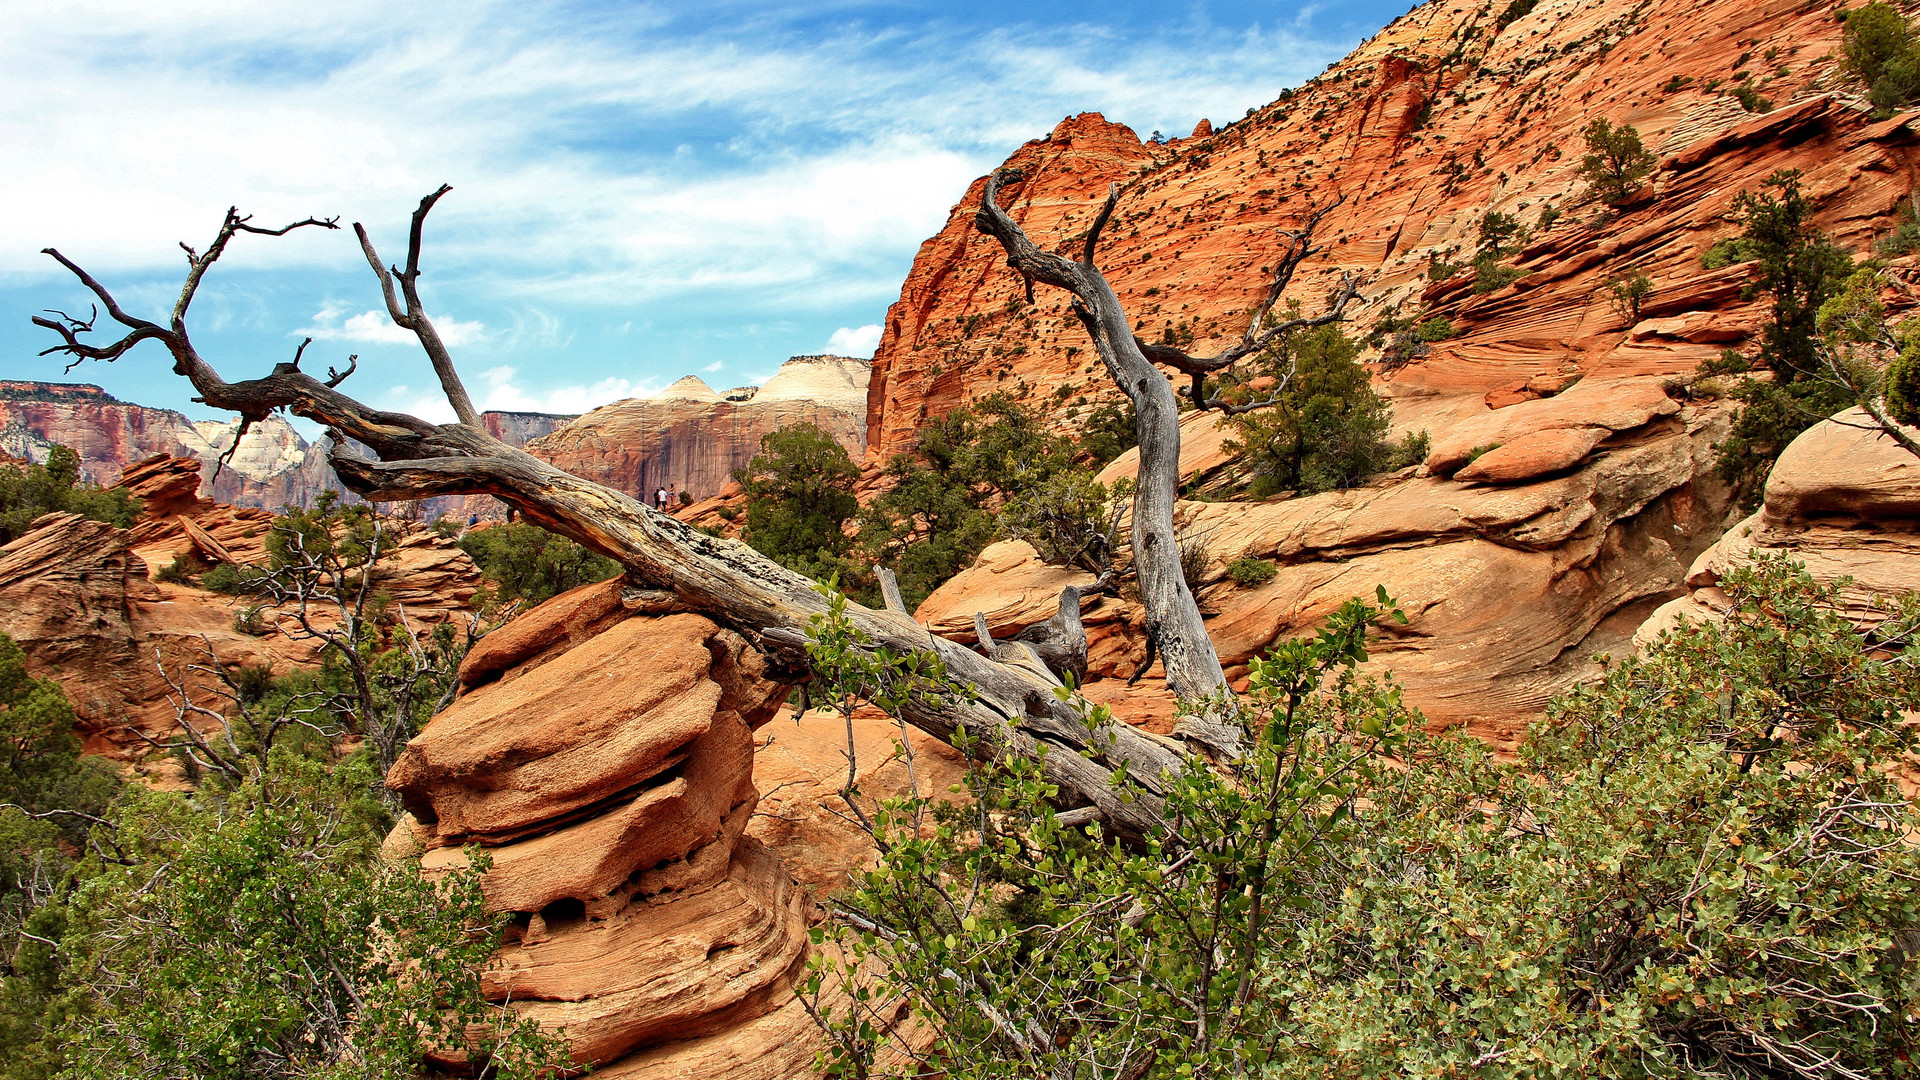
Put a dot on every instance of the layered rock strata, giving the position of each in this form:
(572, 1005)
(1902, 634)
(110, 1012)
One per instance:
(603, 757)
(1510, 580)
(693, 438)
(1440, 118)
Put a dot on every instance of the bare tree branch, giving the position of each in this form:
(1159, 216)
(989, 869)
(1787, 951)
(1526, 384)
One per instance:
(414, 318)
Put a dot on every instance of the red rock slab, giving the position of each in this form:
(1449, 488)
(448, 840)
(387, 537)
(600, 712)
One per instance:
(605, 716)
(1539, 453)
(565, 620)
(799, 763)
(1843, 466)
(688, 965)
(1007, 583)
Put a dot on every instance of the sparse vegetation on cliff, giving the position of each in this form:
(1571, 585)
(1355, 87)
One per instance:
(529, 564)
(1880, 49)
(1616, 165)
(1327, 428)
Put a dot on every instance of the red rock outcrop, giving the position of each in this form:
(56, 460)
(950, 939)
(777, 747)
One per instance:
(79, 597)
(691, 437)
(1438, 119)
(1843, 500)
(603, 756)
(1569, 481)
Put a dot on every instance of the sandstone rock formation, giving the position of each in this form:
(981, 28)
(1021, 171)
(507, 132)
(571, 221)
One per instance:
(603, 756)
(1842, 499)
(690, 436)
(1569, 482)
(1508, 584)
(274, 467)
(78, 597)
(1438, 119)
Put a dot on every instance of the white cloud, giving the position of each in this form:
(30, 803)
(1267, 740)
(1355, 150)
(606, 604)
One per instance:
(715, 366)
(377, 328)
(852, 341)
(506, 396)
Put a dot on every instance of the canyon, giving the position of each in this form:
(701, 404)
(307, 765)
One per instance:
(610, 751)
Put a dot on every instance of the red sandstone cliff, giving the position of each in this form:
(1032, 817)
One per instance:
(1434, 121)
(1518, 567)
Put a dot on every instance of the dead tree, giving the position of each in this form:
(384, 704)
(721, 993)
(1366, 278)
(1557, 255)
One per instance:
(1174, 626)
(1014, 710)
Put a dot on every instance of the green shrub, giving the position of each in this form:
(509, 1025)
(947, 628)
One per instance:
(28, 491)
(1480, 451)
(1328, 428)
(1698, 863)
(1616, 165)
(1626, 292)
(252, 620)
(1750, 99)
(185, 569)
(1438, 328)
(1515, 9)
(527, 563)
(1249, 572)
(1879, 49)
(1725, 252)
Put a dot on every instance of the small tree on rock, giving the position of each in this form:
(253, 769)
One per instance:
(1616, 165)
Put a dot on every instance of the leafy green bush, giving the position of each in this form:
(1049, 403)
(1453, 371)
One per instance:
(1750, 99)
(1070, 518)
(1799, 266)
(185, 569)
(799, 500)
(1879, 49)
(1249, 572)
(1700, 865)
(1626, 292)
(1724, 252)
(1438, 328)
(1616, 165)
(28, 491)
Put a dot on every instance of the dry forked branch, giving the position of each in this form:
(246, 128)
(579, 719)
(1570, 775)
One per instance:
(1175, 629)
(1013, 711)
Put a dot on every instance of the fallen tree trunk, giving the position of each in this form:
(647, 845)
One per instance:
(1015, 710)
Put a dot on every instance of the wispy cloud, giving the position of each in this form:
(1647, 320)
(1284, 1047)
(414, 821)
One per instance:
(616, 165)
(854, 341)
(377, 327)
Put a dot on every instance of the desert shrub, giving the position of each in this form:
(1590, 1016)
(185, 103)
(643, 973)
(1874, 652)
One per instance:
(1800, 267)
(1548, 215)
(1879, 49)
(1438, 328)
(185, 569)
(936, 517)
(1249, 572)
(1070, 518)
(527, 563)
(230, 580)
(1750, 99)
(686, 498)
(1626, 292)
(1489, 276)
(727, 513)
(1515, 9)
(28, 491)
(1480, 451)
(1616, 165)
(1412, 449)
(1107, 432)
(799, 500)
(252, 620)
(1196, 556)
(1905, 237)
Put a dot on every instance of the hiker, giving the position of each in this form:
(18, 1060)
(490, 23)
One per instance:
(660, 500)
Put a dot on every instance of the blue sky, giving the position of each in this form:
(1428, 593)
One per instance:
(640, 191)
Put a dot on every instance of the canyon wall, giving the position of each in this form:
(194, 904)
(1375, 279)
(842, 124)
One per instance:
(1436, 120)
(692, 437)
(1569, 487)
